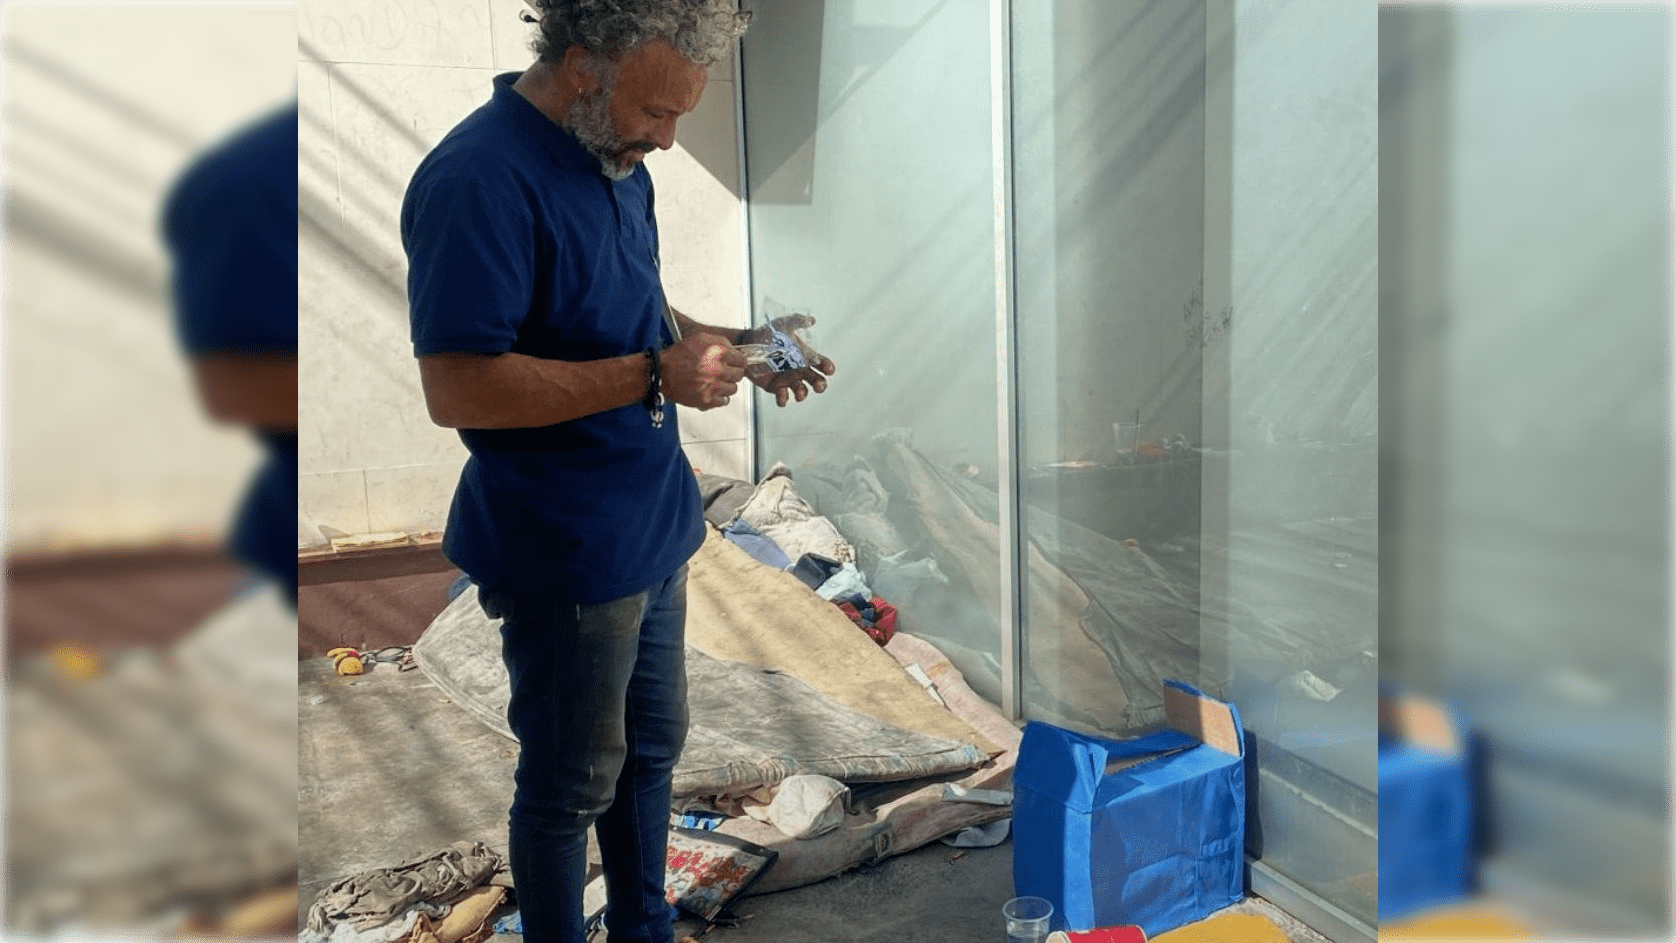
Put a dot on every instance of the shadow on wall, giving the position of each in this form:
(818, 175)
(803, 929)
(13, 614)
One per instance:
(318, 220)
(783, 151)
(323, 224)
(788, 43)
(100, 254)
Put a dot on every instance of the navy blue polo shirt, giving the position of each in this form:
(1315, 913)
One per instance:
(230, 225)
(516, 242)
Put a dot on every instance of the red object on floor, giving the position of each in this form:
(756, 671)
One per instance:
(887, 617)
(877, 618)
(1126, 934)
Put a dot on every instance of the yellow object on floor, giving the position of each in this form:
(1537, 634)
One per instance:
(1457, 923)
(348, 661)
(76, 662)
(1228, 928)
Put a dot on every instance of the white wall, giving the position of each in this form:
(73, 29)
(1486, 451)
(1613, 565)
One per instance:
(380, 83)
(105, 104)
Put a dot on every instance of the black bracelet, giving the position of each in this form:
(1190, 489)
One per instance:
(654, 395)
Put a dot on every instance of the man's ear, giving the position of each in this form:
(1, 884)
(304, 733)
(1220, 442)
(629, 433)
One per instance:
(577, 68)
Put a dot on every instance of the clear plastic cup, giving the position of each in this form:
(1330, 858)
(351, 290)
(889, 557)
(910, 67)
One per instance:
(1128, 435)
(1027, 919)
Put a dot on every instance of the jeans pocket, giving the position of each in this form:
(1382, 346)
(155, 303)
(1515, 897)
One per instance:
(615, 619)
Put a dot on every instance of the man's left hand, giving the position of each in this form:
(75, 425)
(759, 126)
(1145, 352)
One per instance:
(792, 384)
(787, 385)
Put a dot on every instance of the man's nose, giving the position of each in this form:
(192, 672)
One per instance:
(664, 135)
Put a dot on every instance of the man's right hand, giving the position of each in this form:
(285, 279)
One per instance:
(701, 371)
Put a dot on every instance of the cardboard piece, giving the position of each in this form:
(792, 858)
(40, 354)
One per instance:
(1425, 806)
(1209, 722)
(705, 872)
(1419, 722)
(1149, 831)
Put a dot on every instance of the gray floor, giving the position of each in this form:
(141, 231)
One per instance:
(390, 769)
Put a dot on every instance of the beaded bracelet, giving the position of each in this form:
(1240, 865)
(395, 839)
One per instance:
(654, 395)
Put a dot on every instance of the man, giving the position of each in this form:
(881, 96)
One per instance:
(543, 336)
(230, 225)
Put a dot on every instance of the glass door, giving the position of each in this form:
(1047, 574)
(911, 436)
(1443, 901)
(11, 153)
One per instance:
(1196, 219)
(1100, 277)
(870, 177)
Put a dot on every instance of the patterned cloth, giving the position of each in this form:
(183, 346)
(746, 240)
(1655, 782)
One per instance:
(783, 353)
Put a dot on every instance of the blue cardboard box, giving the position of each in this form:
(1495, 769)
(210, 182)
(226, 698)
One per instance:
(1425, 807)
(1149, 831)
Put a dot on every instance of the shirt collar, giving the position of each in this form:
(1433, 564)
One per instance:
(558, 142)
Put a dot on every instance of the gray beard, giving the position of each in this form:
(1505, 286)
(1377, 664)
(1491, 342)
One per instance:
(588, 119)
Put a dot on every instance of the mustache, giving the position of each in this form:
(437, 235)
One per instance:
(645, 147)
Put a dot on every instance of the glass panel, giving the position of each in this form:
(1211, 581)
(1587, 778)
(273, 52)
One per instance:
(870, 179)
(1109, 184)
(1197, 209)
(1290, 498)
(1531, 437)
(1194, 276)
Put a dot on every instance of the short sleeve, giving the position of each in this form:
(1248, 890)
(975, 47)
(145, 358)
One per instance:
(470, 266)
(230, 226)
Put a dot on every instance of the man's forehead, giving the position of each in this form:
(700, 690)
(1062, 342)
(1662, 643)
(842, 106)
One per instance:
(656, 55)
(657, 72)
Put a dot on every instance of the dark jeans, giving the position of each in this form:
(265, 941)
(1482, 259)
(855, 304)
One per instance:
(599, 705)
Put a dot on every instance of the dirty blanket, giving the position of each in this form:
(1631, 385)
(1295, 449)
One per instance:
(731, 749)
(378, 896)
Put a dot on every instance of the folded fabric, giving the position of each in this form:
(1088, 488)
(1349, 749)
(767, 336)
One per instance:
(760, 546)
(777, 511)
(814, 535)
(847, 582)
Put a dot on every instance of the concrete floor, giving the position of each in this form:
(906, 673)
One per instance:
(390, 769)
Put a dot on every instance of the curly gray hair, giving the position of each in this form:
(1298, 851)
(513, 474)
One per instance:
(700, 30)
